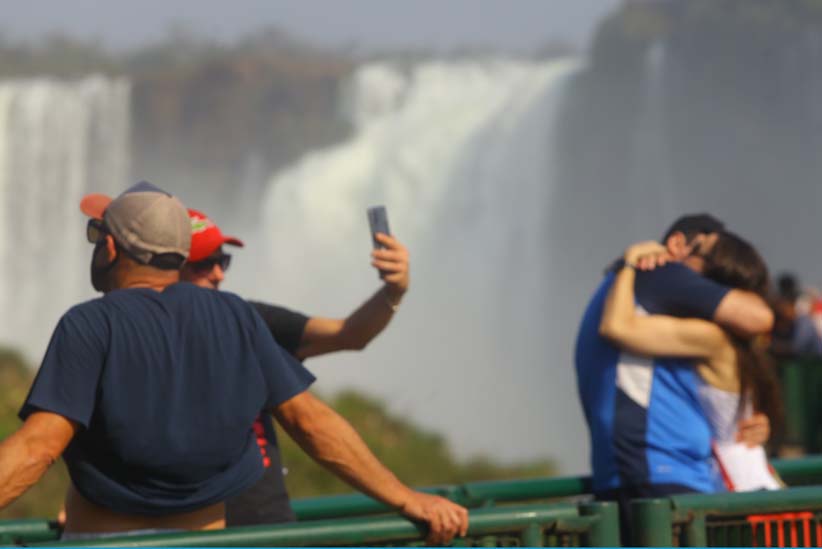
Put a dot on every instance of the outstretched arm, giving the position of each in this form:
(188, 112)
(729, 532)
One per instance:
(653, 335)
(28, 452)
(331, 441)
(327, 335)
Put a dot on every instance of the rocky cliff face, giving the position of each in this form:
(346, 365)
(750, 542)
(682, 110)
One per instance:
(703, 105)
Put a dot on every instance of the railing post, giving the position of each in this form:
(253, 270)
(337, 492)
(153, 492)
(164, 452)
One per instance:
(696, 534)
(532, 536)
(605, 532)
(652, 523)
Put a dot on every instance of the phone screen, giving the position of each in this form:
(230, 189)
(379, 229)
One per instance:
(378, 220)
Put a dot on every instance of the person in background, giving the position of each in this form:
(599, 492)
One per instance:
(736, 375)
(649, 436)
(150, 393)
(795, 333)
(303, 337)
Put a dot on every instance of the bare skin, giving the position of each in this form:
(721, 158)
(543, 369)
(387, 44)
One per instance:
(327, 335)
(660, 335)
(333, 443)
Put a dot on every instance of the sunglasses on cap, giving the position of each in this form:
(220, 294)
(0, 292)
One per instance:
(96, 231)
(223, 260)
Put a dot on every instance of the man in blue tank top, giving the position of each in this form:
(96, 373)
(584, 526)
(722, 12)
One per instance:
(649, 436)
(150, 392)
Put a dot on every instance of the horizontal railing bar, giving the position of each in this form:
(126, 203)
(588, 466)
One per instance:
(807, 497)
(30, 529)
(340, 531)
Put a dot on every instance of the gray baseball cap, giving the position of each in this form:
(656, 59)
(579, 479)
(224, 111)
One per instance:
(145, 221)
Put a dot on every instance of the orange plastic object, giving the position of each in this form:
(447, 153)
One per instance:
(782, 522)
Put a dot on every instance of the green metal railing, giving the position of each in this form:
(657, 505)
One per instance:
(728, 520)
(560, 524)
(796, 472)
(801, 381)
(470, 494)
(27, 530)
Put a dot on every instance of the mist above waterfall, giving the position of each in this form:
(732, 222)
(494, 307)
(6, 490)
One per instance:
(461, 153)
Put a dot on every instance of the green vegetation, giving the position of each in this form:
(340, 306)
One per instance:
(418, 457)
(45, 499)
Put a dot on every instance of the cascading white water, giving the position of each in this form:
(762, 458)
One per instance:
(58, 141)
(461, 153)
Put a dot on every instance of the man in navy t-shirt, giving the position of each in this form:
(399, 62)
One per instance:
(150, 393)
(649, 436)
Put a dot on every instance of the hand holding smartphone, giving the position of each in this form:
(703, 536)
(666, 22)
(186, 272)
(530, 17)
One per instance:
(378, 220)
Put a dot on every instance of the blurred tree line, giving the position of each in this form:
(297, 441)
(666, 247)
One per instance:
(418, 457)
(205, 114)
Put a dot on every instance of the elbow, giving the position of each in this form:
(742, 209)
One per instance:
(352, 342)
(608, 330)
(357, 345)
(757, 322)
(620, 332)
(765, 321)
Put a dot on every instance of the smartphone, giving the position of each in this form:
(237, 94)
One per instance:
(378, 220)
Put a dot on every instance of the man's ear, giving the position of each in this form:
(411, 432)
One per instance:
(677, 245)
(111, 248)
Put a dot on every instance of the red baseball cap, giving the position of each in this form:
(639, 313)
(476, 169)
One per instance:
(206, 237)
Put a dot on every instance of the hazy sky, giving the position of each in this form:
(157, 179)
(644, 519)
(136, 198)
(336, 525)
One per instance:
(517, 25)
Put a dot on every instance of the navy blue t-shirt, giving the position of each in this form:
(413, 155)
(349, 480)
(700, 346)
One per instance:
(166, 386)
(645, 421)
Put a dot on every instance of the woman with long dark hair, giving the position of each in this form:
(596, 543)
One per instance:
(737, 375)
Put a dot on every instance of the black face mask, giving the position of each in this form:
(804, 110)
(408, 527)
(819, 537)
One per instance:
(100, 275)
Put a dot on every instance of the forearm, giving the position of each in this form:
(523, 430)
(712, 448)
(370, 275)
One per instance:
(325, 335)
(21, 466)
(620, 308)
(370, 318)
(28, 453)
(330, 440)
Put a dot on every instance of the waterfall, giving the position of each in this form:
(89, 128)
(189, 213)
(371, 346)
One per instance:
(461, 153)
(58, 141)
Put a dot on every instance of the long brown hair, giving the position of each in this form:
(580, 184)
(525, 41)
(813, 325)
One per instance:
(735, 263)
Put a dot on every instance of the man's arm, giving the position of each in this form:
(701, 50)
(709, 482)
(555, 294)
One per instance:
(327, 335)
(745, 313)
(330, 440)
(28, 452)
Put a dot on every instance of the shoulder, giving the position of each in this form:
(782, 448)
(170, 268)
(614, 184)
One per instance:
(678, 290)
(89, 311)
(194, 293)
(269, 309)
(668, 272)
(277, 314)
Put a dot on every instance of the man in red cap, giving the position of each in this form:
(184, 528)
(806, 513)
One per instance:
(267, 501)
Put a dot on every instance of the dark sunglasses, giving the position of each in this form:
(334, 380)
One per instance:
(223, 260)
(96, 231)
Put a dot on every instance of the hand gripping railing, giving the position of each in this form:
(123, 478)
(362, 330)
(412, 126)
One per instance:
(764, 519)
(533, 526)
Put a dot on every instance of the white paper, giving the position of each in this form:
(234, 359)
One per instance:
(746, 467)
